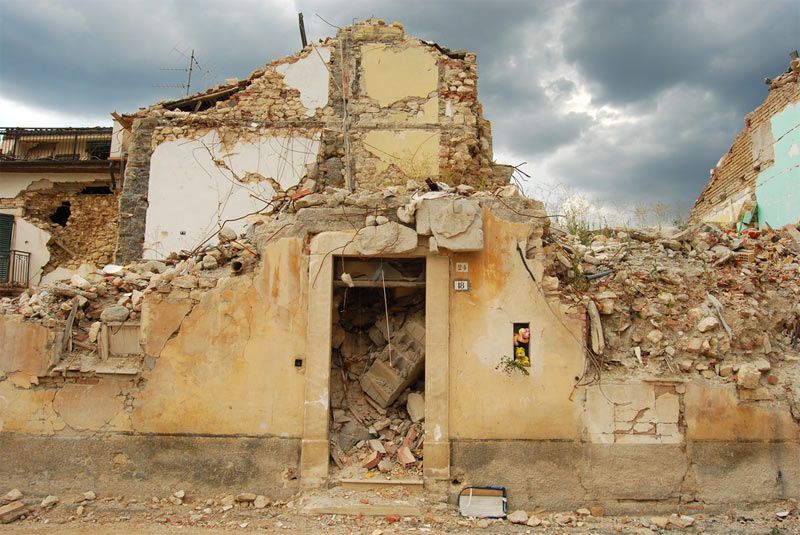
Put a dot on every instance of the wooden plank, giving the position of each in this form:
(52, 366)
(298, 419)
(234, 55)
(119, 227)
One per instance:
(66, 340)
(379, 284)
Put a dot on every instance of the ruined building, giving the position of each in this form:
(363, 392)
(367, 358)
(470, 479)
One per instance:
(759, 177)
(321, 277)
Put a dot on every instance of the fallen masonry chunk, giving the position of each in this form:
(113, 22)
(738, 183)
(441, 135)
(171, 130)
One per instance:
(12, 495)
(210, 262)
(226, 234)
(12, 511)
(246, 497)
(533, 521)
(49, 501)
(385, 465)
(372, 460)
(655, 336)
(682, 521)
(260, 502)
(748, 376)
(114, 314)
(518, 517)
(762, 365)
(707, 324)
(89, 495)
(405, 456)
(415, 405)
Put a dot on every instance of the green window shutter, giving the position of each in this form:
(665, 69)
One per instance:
(6, 230)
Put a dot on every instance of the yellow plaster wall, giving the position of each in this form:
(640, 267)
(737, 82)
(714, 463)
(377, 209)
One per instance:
(714, 413)
(230, 369)
(392, 74)
(484, 402)
(414, 152)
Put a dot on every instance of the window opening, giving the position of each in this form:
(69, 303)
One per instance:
(522, 344)
(61, 215)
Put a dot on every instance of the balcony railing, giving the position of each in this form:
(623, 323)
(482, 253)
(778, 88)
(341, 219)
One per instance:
(14, 269)
(48, 144)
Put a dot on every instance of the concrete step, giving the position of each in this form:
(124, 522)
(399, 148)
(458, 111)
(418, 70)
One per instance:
(413, 486)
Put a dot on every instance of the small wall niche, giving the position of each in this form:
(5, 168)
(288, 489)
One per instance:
(522, 344)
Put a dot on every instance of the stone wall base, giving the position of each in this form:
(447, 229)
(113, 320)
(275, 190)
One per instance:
(629, 479)
(149, 465)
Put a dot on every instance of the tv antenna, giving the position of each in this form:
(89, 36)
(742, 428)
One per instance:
(192, 65)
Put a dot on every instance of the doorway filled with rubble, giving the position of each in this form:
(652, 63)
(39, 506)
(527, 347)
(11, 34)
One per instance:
(377, 419)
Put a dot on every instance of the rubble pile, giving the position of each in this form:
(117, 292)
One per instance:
(378, 409)
(705, 300)
(89, 303)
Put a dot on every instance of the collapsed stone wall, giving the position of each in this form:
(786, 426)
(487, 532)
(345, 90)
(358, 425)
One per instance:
(705, 302)
(89, 232)
(81, 223)
(356, 125)
(751, 151)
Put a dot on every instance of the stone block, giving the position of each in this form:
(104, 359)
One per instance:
(457, 224)
(391, 238)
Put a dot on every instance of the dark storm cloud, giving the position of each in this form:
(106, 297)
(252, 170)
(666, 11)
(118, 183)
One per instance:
(91, 57)
(676, 77)
(632, 50)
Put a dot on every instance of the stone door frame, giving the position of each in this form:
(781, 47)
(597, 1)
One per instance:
(314, 455)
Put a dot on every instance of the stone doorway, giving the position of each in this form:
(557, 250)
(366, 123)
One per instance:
(377, 417)
(315, 444)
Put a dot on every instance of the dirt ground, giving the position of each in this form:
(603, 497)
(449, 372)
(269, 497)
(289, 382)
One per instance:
(124, 515)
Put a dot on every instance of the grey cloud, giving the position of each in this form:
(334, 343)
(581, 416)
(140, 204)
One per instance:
(687, 72)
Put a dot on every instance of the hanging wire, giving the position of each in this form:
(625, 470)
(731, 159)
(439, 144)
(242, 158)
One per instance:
(386, 311)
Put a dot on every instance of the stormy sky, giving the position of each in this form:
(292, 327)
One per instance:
(624, 102)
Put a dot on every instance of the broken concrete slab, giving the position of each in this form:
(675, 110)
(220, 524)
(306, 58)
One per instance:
(399, 365)
(456, 225)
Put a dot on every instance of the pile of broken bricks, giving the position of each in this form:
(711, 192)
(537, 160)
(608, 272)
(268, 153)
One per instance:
(711, 301)
(86, 299)
(377, 421)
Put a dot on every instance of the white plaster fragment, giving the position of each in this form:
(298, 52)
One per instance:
(309, 76)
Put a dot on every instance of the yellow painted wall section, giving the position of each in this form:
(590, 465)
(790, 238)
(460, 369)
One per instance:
(396, 73)
(24, 347)
(414, 152)
(485, 403)
(714, 413)
(230, 369)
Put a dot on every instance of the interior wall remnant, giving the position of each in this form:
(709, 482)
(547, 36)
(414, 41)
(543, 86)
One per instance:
(30, 238)
(398, 72)
(218, 181)
(414, 152)
(778, 186)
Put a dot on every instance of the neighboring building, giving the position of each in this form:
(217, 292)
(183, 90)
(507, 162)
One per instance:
(760, 173)
(57, 193)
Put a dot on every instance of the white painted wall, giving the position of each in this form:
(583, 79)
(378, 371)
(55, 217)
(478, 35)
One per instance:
(190, 197)
(30, 238)
(12, 184)
(309, 76)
